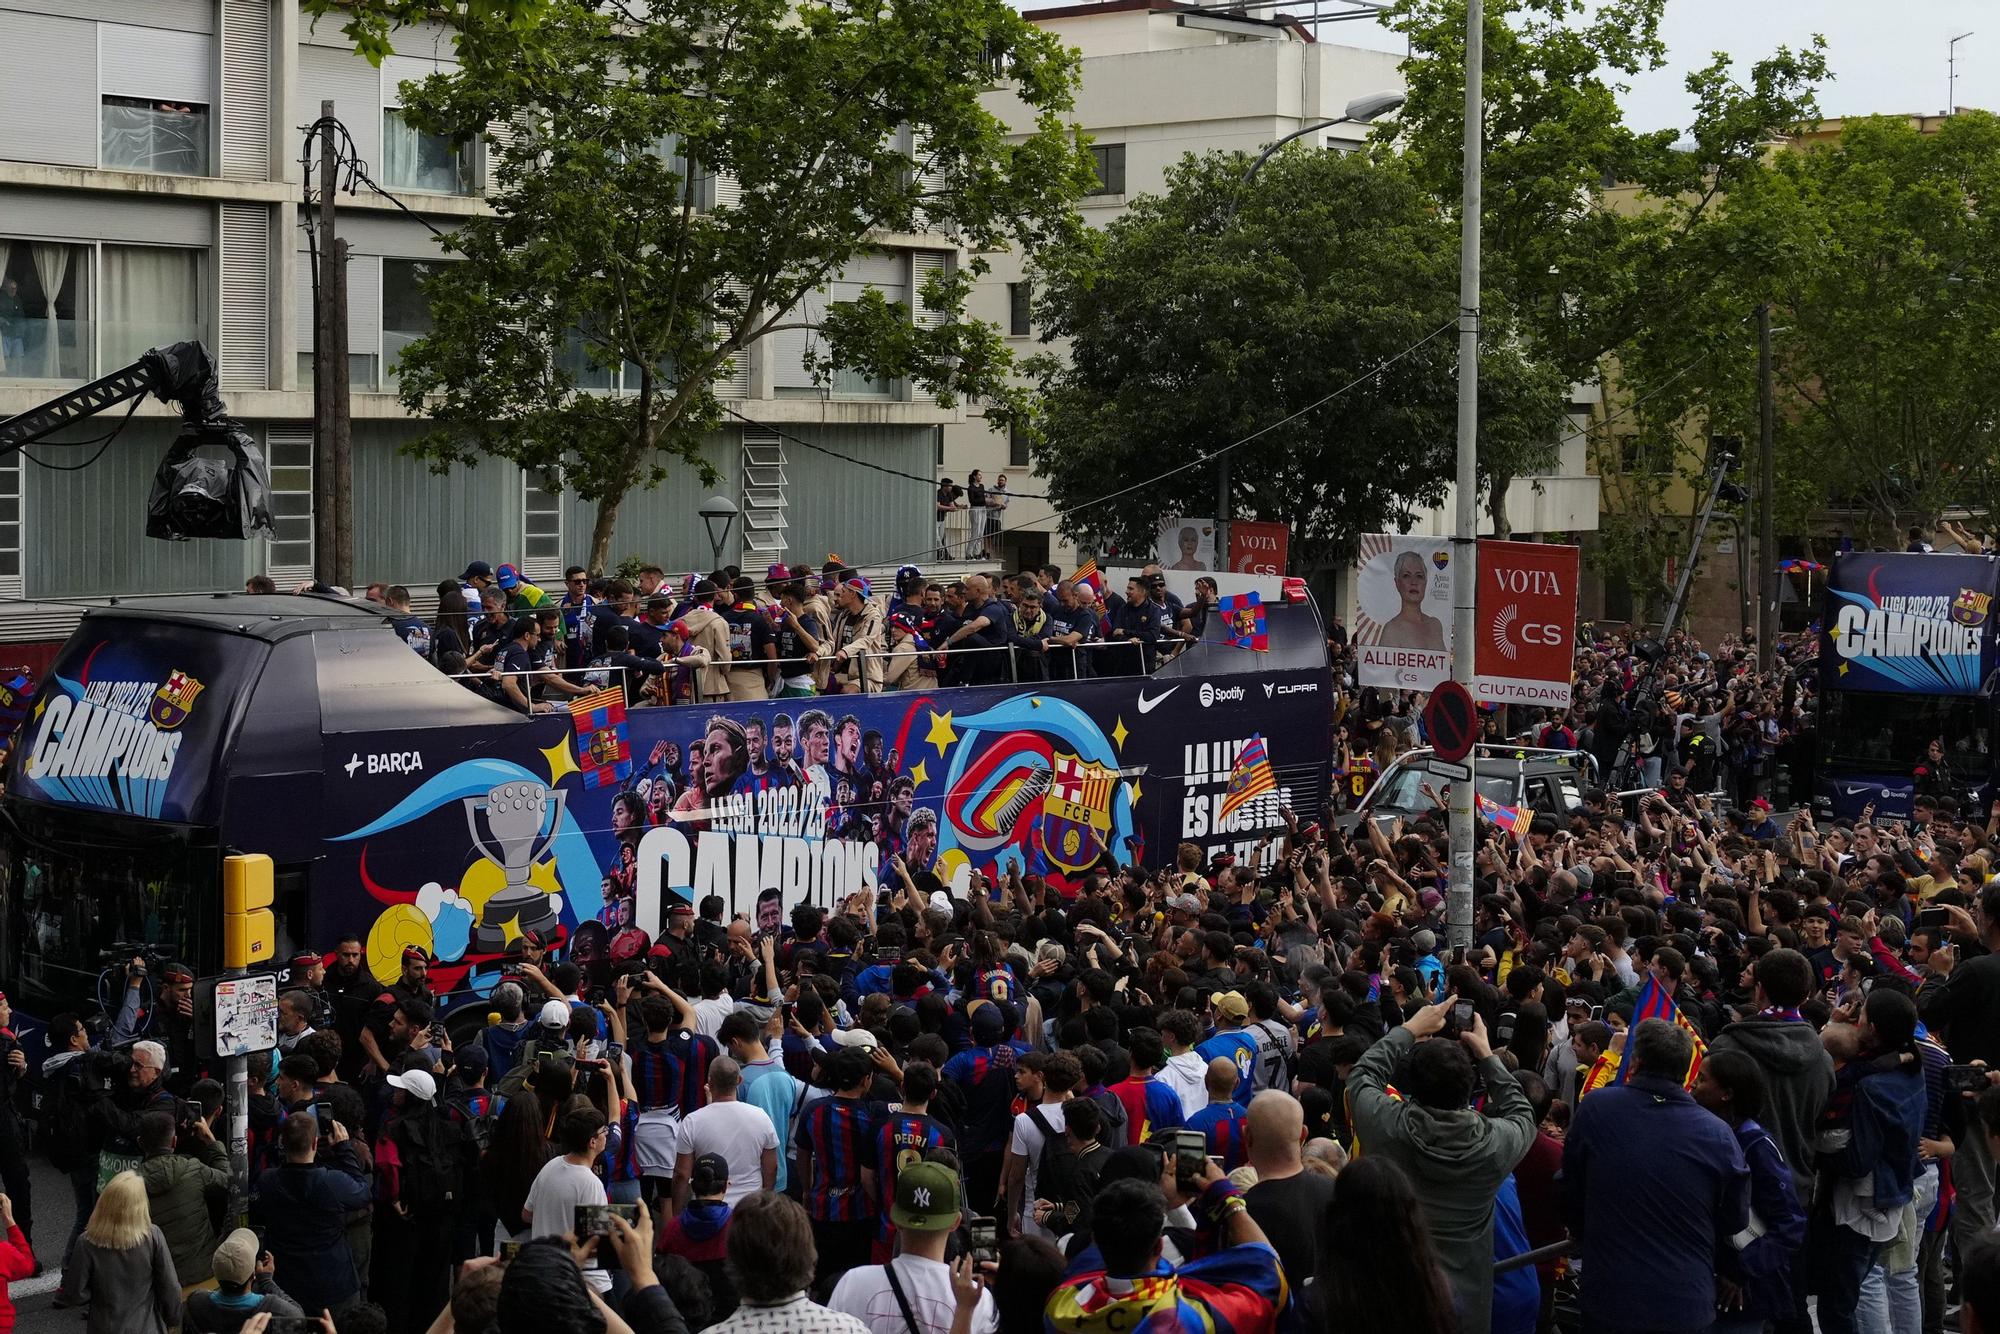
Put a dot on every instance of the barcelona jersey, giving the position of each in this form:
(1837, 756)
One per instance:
(1240, 1290)
(840, 1135)
(1150, 1106)
(1222, 1123)
(905, 1137)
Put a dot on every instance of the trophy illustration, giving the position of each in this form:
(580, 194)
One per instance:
(521, 823)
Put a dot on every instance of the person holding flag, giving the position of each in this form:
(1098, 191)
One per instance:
(1653, 1186)
(1251, 777)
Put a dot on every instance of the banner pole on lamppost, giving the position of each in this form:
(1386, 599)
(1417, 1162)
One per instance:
(1465, 529)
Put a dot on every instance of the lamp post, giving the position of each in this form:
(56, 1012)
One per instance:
(718, 512)
(1360, 111)
(1465, 528)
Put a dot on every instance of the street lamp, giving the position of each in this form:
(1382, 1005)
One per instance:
(1360, 111)
(718, 512)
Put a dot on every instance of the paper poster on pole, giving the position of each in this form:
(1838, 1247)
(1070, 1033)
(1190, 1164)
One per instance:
(1526, 647)
(246, 1015)
(1186, 544)
(1258, 548)
(1404, 588)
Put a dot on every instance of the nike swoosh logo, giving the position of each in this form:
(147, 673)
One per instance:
(1148, 705)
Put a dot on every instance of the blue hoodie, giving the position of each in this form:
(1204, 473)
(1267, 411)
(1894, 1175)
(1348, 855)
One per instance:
(1762, 1268)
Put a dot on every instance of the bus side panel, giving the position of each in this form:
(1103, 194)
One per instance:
(782, 802)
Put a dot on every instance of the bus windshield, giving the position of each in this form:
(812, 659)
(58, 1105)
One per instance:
(75, 892)
(1888, 733)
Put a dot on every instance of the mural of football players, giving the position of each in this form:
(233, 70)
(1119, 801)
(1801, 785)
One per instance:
(753, 738)
(921, 838)
(694, 797)
(728, 756)
(872, 757)
(846, 765)
(628, 815)
(894, 822)
(815, 740)
(781, 748)
(770, 912)
(659, 801)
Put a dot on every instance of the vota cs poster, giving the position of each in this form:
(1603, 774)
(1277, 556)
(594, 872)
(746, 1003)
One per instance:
(1910, 623)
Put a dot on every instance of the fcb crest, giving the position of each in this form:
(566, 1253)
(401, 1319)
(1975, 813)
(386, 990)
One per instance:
(1970, 607)
(1076, 817)
(174, 700)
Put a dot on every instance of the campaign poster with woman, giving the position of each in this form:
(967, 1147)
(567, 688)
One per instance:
(1404, 588)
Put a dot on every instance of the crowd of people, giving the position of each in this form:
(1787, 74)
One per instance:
(1694, 1073)
(800, 632)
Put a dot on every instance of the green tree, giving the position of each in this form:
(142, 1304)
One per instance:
(1311, 315)
(1881, 262)
(1582, 272)
(611, 246)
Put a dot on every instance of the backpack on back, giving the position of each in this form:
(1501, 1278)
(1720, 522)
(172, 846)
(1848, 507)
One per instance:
(1064, 1178)
(432, 1148)
(56, 1104)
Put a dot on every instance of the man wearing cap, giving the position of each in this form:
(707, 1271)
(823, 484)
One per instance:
(707, 631)
(856, 642)
(478, 577)
(1760, 825)
(913, 1292)
(243, 1288)
(1232, 1040)
(413, 985)
(522, 596)
(419, 1183)
(699, 1233)
(308, 974)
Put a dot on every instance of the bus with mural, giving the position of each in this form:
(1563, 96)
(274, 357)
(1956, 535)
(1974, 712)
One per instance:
(405, 809)
(1907, 657)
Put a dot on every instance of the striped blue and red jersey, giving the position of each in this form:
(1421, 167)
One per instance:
(1149, 1106)
(905, 1137)
(621, 1156)
(656, 1073)
(987, 1076)
(1222, 1123)
(840, 1135)
(996, 984)
(695, 1052)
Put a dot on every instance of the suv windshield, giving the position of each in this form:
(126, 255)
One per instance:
(1413, 787)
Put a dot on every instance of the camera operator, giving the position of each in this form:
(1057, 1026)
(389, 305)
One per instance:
(119, 1105)
(172, 1019)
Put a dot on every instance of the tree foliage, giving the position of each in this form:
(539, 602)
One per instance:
(837, 123)
(1582, 273)
(1881, 264)
(1316, 323)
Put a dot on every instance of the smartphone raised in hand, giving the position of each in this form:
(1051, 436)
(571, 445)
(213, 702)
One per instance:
(985, 1239)
(594, 1220)
(1190, 1158)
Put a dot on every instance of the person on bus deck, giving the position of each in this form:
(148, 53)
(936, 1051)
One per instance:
(518, 665)
(413, 985)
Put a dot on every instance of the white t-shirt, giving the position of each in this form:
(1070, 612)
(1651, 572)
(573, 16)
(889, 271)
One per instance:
(864, 1294)
(1027, 1141)
(737, 1131)
(709, 1014)
(559, 1188)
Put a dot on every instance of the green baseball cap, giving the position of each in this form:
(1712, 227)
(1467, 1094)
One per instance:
(926, 1198)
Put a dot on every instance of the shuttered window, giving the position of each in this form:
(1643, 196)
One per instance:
(246, 89)
(245, 352)
(290, 558)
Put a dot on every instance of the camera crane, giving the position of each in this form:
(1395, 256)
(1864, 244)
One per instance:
(192, 497)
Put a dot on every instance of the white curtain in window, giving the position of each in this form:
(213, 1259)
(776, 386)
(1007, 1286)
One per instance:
(151, 297)
(399, 149)
(51, 266)
(6, 253)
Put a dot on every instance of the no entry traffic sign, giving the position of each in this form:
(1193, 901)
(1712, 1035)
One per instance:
(1450, 721)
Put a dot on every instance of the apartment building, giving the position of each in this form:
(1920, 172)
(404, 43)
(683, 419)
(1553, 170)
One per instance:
(1162, 79)
(151, 190)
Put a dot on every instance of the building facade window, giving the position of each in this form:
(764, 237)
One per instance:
(1109, 161)
(1017, 445)
(406, 310)
(415, 160)
(45, 329)
(1018, 295)
(140, 134)
(290, 457)
(152, 296)
(541, 525)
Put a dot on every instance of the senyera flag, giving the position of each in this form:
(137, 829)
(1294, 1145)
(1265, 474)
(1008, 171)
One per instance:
(1525, 649)
(1653, 1003)
(602, 750)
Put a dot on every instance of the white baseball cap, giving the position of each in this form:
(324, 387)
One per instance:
(416, 1083)
(555, 1014)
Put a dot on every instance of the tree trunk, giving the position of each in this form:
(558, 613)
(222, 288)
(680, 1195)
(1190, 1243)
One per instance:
(600, 532)
(1496, 504)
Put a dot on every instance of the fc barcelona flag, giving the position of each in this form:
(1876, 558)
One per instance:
(1243, 621)
(17, 692)
(602, 752)
(1655, 1003)
(1252, 777)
